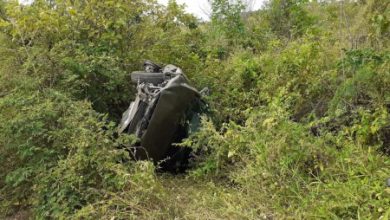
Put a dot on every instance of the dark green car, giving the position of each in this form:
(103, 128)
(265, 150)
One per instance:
(165, 111)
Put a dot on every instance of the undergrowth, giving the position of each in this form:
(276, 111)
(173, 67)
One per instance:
(299, 123)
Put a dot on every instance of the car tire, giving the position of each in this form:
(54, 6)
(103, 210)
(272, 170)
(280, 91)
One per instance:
(143, 77)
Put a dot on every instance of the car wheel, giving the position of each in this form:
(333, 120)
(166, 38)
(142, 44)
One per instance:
(143, 77)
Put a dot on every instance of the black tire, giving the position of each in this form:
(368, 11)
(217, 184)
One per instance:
(143, 77)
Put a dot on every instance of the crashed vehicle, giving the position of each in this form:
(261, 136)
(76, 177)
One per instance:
(165, 111)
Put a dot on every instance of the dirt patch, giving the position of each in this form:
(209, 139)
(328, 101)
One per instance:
(20, 215)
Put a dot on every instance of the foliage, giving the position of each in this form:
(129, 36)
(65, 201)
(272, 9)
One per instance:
(301, 123)
(226, 16)
(63, 62)
(288, 18)
(300, 110)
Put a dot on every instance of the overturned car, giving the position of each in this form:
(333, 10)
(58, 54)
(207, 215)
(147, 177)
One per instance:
(165, 111)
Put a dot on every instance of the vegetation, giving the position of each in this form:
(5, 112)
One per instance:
(300, 110)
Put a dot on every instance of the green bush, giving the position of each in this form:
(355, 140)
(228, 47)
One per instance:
(299, 121)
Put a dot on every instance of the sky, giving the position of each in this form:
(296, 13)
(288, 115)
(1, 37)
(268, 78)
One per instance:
(197, 7)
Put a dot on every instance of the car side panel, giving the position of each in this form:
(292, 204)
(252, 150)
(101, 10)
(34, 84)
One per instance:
(174, 100)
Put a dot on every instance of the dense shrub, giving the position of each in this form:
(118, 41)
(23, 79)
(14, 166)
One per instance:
(274, 159)
(64, 84)
(299, 123)
(303, 125)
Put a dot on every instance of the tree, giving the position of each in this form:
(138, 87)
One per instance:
(288, 18)
(248, 6)
(226, 16)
